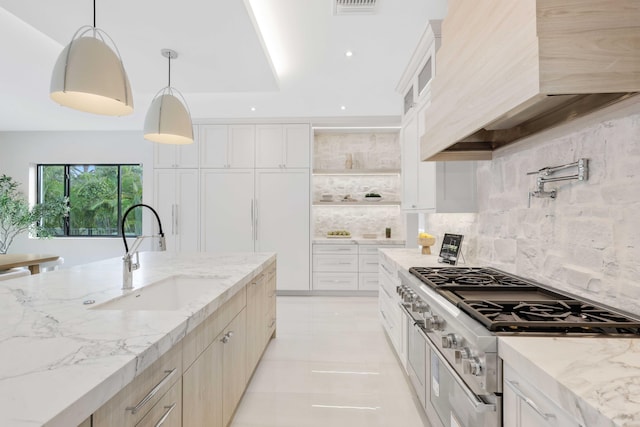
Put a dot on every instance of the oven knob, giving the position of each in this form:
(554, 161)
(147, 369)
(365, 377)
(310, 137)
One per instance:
(451, 341)
(434, 323)
(420, 307)
(472, 366)
(462, 354)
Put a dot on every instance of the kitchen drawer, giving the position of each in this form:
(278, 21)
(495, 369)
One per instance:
(373, 249)
(167, 412)
(368, 263)
(347, 249)
(335, 281)
(368, 282)
(142, 393)
(335, 263)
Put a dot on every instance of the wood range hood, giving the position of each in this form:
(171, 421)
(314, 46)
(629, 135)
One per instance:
(508, 69)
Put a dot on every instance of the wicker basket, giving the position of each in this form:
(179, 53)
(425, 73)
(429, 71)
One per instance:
(426, 243)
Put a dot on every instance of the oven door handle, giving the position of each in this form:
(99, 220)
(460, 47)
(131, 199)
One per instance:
(479, 405)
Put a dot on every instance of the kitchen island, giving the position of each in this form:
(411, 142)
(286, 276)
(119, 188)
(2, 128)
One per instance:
(62, 358)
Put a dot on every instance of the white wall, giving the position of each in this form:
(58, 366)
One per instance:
(21, 150)
(587, 240)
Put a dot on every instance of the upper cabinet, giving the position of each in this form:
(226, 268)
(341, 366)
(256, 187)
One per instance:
(177, 156)
(508, 69)
(227, 146)
(282, 146)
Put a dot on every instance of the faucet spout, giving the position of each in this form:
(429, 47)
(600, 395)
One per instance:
(129, 265)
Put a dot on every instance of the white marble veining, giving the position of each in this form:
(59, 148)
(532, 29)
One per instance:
(597, 380)
(60, 360)
(412, 257)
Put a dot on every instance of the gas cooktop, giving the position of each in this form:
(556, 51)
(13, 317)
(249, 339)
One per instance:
(504, 303)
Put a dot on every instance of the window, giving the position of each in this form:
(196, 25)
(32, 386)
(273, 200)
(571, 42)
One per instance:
(98, 196)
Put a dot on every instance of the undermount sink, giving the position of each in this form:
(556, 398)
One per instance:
(172, 293)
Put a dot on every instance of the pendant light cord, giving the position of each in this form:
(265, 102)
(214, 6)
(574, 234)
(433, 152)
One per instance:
(94, 13)
(169, 57)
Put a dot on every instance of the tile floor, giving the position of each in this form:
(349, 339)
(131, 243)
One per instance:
(331, 366)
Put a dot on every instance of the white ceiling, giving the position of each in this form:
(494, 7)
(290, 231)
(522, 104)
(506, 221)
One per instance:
(286, 58)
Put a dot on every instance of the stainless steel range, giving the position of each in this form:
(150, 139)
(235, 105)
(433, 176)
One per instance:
(460, 311)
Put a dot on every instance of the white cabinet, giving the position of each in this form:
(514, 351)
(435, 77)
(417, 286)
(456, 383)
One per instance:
(442, 187)
(524, 405)
(228, 210)
(177, 156)
(227, 146)
(282, 146)
(282, 221)
(390, 315)
(176, 200)
(263, 210)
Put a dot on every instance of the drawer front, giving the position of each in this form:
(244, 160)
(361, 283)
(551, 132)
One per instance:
(368, 282)
(373, 249)
(167, 412)
(368, 263)
(142, 393)
(335, 281)
(347, 249)
(335, 263)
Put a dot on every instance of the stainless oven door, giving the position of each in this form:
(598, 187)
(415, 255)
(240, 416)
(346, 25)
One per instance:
(453, 401)
(416, 355)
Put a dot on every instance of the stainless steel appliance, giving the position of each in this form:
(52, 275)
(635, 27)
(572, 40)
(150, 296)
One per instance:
(458, 313)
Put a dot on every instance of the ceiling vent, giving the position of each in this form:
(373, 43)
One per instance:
(354, 7)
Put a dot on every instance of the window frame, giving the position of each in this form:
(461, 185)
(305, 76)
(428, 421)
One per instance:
(67, 189)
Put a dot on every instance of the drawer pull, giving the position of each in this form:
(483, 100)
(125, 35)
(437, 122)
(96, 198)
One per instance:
(371, 263)
(153, 392)
(273, 322)
(166, 415)
(531, 403)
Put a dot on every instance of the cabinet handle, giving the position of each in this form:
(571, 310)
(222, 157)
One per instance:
(173, 220)
(166, 415)
(230, 334)
(344, 263)
(149, 396)
(225, 339)
(528, 401)
(371, 263)
(176, 219)
(253, 221)
(273, 322)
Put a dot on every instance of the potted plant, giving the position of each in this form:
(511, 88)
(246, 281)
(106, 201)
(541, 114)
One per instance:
(16, 216)
(372, 197)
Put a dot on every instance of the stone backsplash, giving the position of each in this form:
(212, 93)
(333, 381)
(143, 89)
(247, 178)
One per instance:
(587, 240)
(367, 150)
(359, 220)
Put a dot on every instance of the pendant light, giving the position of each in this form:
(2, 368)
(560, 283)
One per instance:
(168, 119)
(89, 75)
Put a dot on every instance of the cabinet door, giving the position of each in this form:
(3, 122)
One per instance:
(164, 155)
(165, 204)
(456, 187)
(213, 146)
(227, 210)
(282, 199)
(186, 211)
(410, 163)
(187, 155)
(242, 146)
(234, 373)
(202, 388)
(269, 146)
(256, 318)
(297, 144)
(426, 170)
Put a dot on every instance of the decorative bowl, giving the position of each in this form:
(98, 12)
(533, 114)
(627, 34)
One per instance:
(426, 243)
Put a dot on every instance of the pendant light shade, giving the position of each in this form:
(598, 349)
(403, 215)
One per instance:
(89, 76)
(168, 120)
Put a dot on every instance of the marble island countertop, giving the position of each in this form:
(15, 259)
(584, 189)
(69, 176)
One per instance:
(597, 380)
(357, 240)
(61, 359)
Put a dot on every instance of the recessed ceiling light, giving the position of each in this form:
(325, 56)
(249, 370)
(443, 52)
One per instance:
(348, 54)
(343, 107)
(253, 108)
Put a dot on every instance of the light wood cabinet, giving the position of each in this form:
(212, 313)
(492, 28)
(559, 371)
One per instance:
(256, 320)
(177, 156)
(283, 146)
(168, 411)
(234, 368)
(227, 146)
(508, 69)
(203, 388)
(176, 200)
(130, 405)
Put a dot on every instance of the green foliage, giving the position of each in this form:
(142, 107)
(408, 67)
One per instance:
(16, 216)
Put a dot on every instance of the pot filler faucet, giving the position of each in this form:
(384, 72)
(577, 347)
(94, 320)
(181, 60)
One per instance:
(582, 174)
(128, 266)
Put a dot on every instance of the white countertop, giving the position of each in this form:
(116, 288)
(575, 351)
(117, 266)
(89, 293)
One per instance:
(356, 240)
(598, 379)
(61, 360)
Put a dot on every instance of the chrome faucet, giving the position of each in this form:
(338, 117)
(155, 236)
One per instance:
(128, 265)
